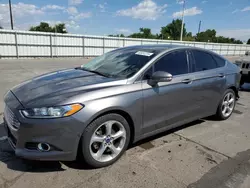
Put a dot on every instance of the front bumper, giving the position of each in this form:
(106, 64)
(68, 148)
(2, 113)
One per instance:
(62, 134)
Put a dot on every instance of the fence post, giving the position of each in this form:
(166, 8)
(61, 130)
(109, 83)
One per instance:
(51, 48)
(141, 42)
(234, 50)
(17, 54)
(123, 42)
(83, 47)
(103, 45)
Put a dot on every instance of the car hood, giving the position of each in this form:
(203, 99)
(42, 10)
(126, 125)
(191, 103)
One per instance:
(57, 86)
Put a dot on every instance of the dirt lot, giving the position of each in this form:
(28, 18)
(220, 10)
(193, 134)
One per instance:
(204, 153)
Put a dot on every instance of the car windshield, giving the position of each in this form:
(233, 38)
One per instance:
(122, 63)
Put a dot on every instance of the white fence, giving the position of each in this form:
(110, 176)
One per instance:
(24, 44)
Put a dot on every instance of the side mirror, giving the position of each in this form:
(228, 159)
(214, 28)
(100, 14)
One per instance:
(160, 76)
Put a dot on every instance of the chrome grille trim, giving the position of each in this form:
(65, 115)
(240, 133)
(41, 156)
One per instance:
(11, 118)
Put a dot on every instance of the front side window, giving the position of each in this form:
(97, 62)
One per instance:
(203, 61)
(122, 63)
(174, 63)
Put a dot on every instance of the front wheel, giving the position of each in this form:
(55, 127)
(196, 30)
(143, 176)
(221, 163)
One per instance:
(226, 106)
(105, 140)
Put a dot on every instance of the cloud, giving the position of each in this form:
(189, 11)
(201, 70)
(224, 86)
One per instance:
(102, 7)
(122, 30)
(20, 11)
(72, 10)
(236, 10)
(246, 9)
(188, 12)
(75, 2)
(72, 24)
(180, 2)
(242, 34)
(145, 10)
(203, 2)
(52, 7)
(82, 15)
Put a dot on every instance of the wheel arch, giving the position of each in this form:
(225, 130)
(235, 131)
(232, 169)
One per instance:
(235, 91)
(121, 112)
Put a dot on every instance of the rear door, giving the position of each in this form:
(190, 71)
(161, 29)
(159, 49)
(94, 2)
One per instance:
(209, 79)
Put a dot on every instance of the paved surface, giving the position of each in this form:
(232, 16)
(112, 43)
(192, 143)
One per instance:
(205, 153)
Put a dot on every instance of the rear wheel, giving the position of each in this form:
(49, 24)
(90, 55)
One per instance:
(226, 106)
(105, 140)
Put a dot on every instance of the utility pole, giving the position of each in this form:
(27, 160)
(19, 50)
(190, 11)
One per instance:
(11, 17)
(182, 20)
(199, 28)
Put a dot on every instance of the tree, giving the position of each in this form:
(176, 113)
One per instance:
(59, 28)
(144, 33)
(118, 35)
(207, 36)
(173, 30)
(1, 27)
(248, 42)
(45, 27)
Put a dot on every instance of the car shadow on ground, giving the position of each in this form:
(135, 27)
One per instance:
(245, 87)
(12, 162)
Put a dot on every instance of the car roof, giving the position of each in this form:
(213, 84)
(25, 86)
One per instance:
(160, 47)
(164, 47)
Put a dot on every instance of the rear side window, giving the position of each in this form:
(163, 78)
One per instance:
(203, 61)
(220, 62)
(174, 63)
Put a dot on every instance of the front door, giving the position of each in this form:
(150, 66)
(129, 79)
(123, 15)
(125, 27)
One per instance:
(168, 103)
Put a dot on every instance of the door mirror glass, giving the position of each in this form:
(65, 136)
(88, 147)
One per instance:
(160, 76)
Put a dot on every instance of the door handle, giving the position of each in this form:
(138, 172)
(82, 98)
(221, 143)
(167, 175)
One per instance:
(187, 81)
(221, 75)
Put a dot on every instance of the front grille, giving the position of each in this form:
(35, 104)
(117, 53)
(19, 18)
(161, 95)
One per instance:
(11, 118)
(243, 64)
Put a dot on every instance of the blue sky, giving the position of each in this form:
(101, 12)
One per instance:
(103, 17)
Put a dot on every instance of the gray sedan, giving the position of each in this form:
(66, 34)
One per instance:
(116, 99)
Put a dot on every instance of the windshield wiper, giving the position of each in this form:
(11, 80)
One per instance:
(96, 72)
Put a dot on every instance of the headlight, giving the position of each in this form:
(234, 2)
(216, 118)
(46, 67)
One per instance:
(52, 112)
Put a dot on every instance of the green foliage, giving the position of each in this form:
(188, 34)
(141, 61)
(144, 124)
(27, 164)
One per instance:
(144, 33)
(206, 36)
(118, 35)
(248, 42)
(1, 27)
(45, 27)
(173, 30)
(210, 36)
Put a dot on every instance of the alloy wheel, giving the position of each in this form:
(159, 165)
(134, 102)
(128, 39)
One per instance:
(228, 104)
(107, 141)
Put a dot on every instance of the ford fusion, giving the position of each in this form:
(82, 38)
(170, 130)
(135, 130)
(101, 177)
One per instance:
(123, 96)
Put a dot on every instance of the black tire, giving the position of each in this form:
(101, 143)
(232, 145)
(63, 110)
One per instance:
(86, 137)
(219, 115)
